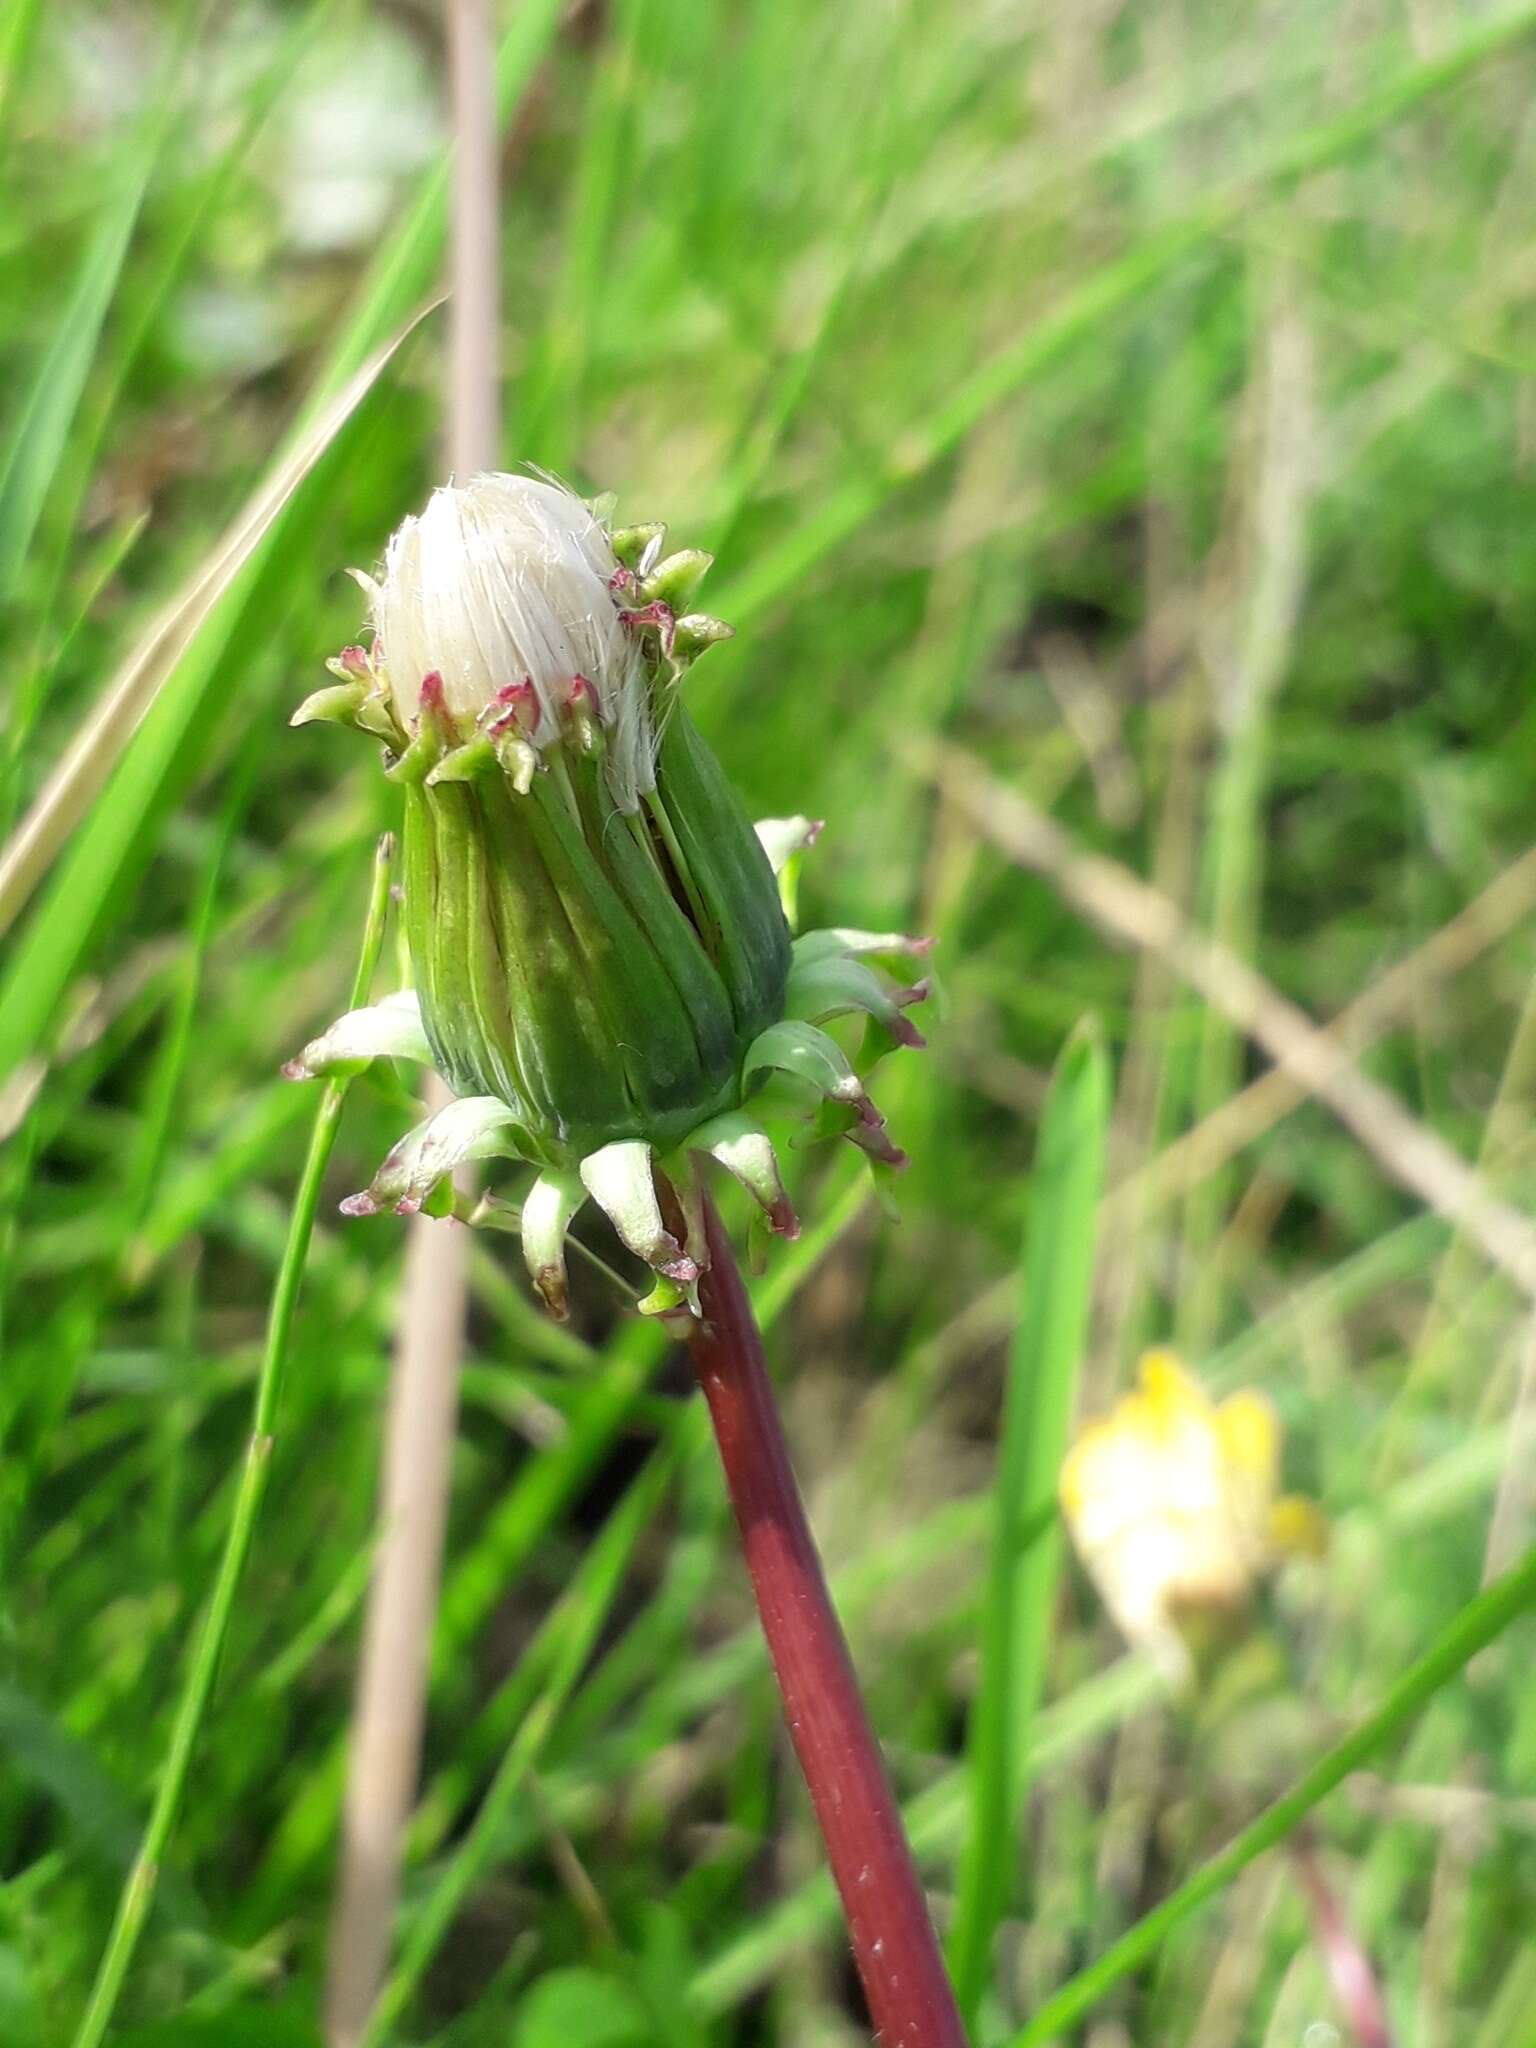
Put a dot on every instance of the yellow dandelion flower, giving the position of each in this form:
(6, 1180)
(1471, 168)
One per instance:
(1173, 1503)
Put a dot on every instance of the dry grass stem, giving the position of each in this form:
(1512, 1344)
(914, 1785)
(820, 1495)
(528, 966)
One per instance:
(1130, 911)
(81, 774)
(390, 1712)
(1244, 1117)
(387, 1722)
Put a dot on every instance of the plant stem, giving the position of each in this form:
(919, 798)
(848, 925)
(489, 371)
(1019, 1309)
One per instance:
(197, 1688)
(390, 1713)
(893, 1941)
(1348, 1966)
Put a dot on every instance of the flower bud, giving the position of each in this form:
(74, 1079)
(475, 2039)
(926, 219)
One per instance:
(594, 926)
(602, 961)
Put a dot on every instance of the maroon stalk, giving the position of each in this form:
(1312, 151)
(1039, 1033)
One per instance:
(1348, 1966)
(893, 1940)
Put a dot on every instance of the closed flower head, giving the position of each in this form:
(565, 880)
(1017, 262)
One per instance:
(603, 969)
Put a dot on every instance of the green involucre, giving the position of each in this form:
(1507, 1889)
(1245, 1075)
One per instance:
(602, 974)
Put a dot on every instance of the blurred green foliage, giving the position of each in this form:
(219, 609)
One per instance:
(1138, 399)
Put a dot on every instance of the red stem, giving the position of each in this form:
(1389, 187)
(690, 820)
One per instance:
(893, 1940)
(1348, 1965)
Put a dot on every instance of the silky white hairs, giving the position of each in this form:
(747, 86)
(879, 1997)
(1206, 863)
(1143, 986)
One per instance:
(507, 578)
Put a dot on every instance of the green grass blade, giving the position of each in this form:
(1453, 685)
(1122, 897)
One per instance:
(175, 649)
(170, 672)
(37, 441)
(39, 1750)
(197, 1689)
(1477, 1625)
(136, 318)
(934, 1820)
(525, 1515)
(197, 630)
(1026, 1536)
(522, 1519)
(551, 393)
(152, 1139)
(17, 42)
(567, 1638)
(1107, 292)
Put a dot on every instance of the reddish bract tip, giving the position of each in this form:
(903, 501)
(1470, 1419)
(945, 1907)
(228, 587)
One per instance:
(902, 1031)
(432, 698)
(295, 1070)
(520, 709)
(660, 615)
(360, 1205)
(874, 1139)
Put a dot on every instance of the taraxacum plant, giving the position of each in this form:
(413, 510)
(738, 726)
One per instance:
(605, 975)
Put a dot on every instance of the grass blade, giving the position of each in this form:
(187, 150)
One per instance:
(408, 266)
(1107, 292)
(132, 693)
(138, 1892)
(522, 1519)
(135, 323)
(936, 1818)
(565, 1642)
(37, 441)
(402, 276)
(16, 46)
(1026, 1535)
(778, 1940)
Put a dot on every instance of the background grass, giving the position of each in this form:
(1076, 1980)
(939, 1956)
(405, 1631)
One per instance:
(1138, 399)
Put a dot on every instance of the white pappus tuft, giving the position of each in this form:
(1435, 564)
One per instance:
(505, 586)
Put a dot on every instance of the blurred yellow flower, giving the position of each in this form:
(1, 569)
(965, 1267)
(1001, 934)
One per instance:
(1173, 1502)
